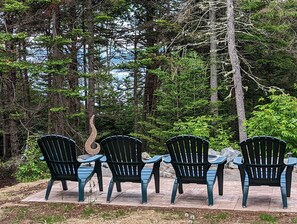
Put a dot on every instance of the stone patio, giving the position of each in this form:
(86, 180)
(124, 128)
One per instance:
(262, 198)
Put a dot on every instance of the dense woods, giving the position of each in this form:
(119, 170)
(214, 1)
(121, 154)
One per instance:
(221, 69)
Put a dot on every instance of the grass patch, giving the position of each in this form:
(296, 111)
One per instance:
(216, 218)
(268, 218)
(28, 215)
(68, 208)
(51, 219)
(114, 214)
(294, 221)
(88, 211)
(176, 215)
(21, 214)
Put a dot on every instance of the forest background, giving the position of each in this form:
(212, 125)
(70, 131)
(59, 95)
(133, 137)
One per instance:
(151, 68)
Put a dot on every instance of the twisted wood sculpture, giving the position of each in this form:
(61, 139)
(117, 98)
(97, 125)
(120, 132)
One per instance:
(91, 146)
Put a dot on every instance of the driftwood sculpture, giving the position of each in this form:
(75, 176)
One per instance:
(91, 146)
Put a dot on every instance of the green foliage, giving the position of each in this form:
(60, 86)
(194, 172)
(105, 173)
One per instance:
(57, 109)
(268, 45)
(277, 118)
(183, 106)
(252, 5)
(14, 6)
(12, 37)
(103, 18)
(198, 126)
(48, 41)
(32, 168)
(219, 136)
(203, 127)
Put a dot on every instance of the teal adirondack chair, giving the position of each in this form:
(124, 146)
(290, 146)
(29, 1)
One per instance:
(59, 152)
(123, 156)
(191, 162)
(262, 163)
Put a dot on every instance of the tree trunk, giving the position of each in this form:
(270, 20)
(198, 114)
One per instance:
(213, 59)
(151, 80)
(237, 82)
(91, 81)
(58, 78)
(135, 87)
(73, 102)
(11, 91)
(26, 99)
(4, 121)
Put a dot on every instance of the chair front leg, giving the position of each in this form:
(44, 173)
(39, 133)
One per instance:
(174, 190)
(81, 190)
(49, 188)
(110, 188)
(289, 180)
(284, 196)
(245, 194)
(210, 194)
(144, 192)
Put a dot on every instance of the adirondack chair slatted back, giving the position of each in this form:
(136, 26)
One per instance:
(60, 155)
(123, 155)
(264, 159)
(189, 157)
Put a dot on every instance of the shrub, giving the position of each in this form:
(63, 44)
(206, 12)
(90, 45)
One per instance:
(203, 127)
(8, 168)
(277, 118)
(31, 168)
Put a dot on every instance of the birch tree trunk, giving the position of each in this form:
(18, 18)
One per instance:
(213, 59)
(237, 82)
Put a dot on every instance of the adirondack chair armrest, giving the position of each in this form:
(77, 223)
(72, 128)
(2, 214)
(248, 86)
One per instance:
(219, 160)
(155, 159)
(91, 159)
(103, 159)
(166, 159)
(292, 161)
(41, 158)
(238, 161)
